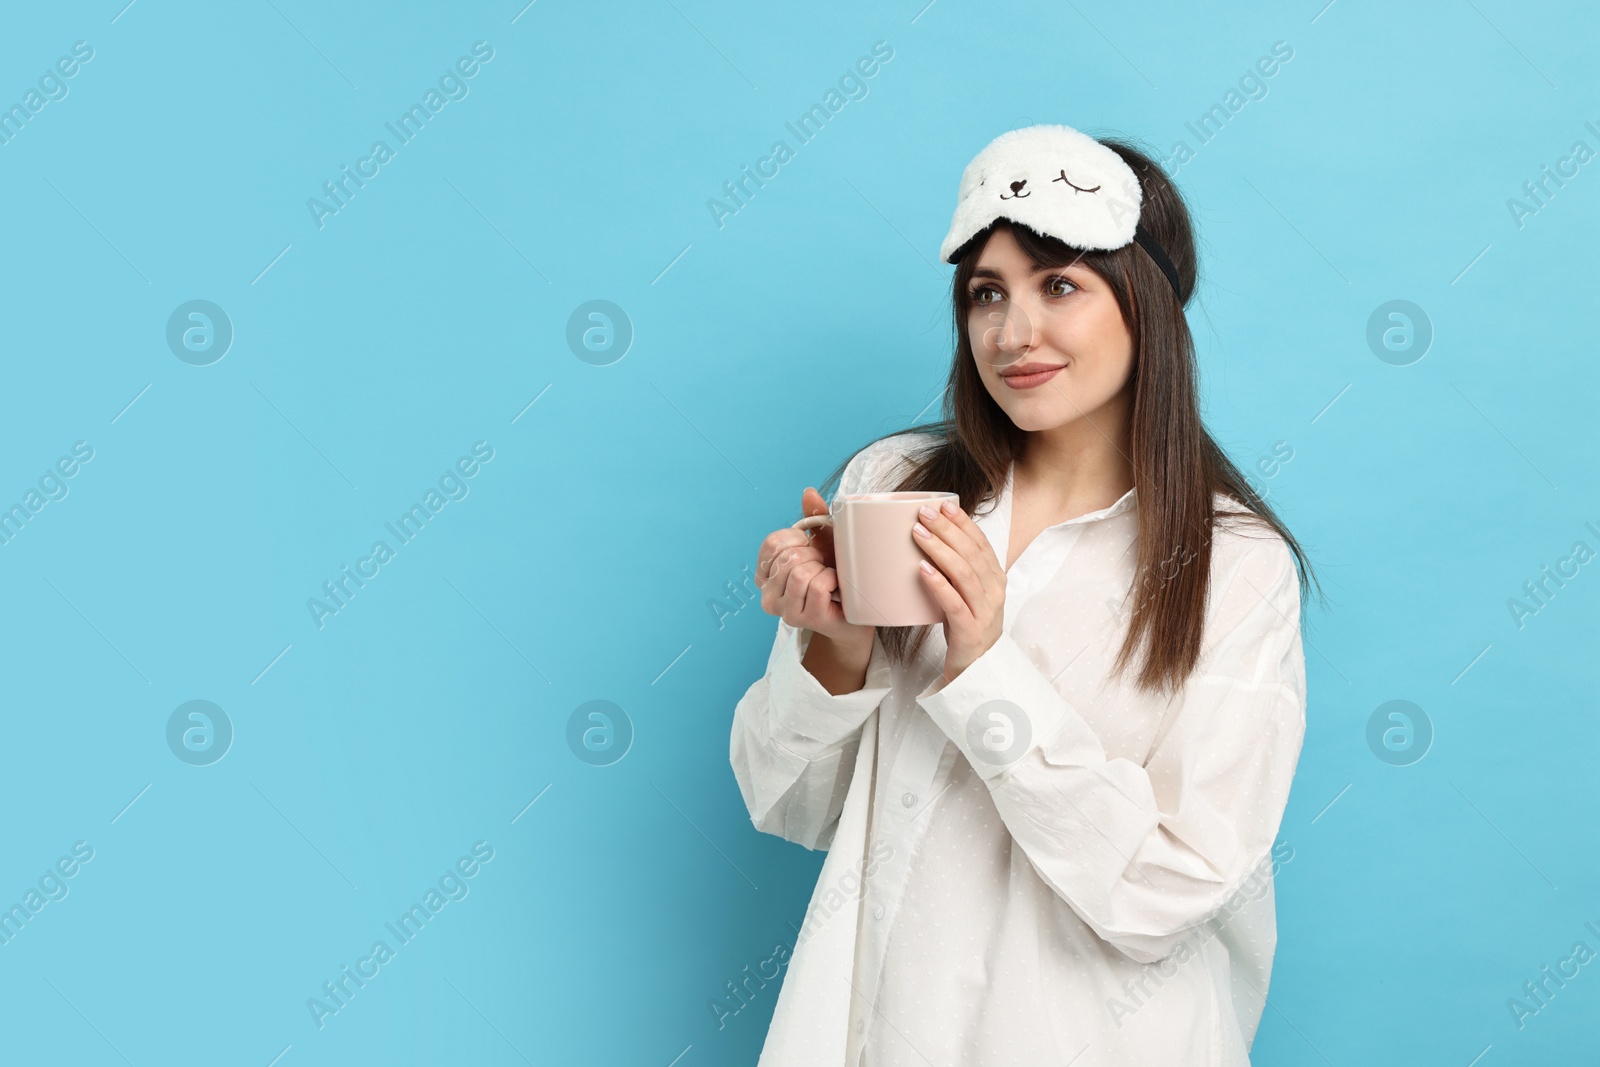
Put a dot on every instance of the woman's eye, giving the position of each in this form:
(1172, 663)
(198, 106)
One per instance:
(978, 296)
(1059, 286)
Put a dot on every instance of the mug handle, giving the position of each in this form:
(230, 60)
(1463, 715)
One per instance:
(812, 522)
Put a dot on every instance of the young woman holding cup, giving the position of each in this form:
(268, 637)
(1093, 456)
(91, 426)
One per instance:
(1070, 788)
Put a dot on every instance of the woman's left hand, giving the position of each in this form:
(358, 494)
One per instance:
(966, 580)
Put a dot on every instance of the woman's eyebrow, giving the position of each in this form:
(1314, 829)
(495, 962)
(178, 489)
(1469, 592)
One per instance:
(990, 272)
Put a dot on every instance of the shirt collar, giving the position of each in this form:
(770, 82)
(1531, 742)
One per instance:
(1001, 508)
(995, 521)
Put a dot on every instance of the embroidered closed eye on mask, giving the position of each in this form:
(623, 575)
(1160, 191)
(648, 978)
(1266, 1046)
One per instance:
(1058, 182)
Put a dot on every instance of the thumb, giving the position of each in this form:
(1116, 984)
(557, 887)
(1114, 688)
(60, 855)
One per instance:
(811, 503)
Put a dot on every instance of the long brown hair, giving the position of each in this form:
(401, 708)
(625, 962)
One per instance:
(1177, 465)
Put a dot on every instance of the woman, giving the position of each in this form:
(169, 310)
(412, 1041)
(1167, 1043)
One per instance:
(1051, 819)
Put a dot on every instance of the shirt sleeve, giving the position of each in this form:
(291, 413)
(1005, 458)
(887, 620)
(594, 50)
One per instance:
(1143, 854)
(793, 744)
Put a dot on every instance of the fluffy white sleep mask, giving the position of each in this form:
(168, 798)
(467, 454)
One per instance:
(1058, 182)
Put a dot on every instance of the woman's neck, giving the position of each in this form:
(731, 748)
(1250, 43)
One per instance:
(1081, 466)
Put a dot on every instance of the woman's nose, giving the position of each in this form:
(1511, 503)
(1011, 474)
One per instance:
(1006, 329)
(1017, 329)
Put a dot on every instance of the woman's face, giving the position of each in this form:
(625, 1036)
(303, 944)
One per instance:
(1063, 320)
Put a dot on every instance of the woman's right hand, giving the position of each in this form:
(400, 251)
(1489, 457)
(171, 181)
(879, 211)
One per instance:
(798, 577)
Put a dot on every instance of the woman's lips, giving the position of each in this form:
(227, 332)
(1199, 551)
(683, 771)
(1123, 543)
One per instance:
(1030, 381)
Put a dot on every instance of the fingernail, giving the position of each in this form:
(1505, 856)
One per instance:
(925, 565)
(926, 512)
(949, 507)
(920, 530)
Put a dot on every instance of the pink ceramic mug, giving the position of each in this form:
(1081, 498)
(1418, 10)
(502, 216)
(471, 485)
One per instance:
(878, 557)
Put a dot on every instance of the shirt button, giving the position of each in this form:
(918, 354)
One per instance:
(909, 800)
(877, 911)
(861, 1024)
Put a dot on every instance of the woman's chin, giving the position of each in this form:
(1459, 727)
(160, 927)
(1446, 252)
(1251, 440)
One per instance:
(1033, 418)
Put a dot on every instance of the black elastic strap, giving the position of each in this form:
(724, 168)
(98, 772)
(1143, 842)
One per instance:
(1153, 247)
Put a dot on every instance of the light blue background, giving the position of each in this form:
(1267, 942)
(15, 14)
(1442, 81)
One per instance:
(428, 313)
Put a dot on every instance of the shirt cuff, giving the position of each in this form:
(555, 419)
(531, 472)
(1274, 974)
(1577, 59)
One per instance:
(809, 721)
(1002, 707)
